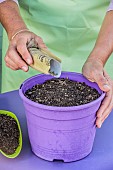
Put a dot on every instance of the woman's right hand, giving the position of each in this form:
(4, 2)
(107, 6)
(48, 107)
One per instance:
(18, 56)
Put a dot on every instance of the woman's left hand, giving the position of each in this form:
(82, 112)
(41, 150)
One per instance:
(93, 70)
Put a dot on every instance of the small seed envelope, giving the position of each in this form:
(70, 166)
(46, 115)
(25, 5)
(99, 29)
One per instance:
(44, 60)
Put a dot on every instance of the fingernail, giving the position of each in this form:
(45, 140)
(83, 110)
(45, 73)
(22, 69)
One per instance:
(29, 61)
(24, 68)
(100, 125)
(107, 87)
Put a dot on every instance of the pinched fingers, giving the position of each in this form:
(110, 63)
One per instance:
(22, 47)
(18, 56)
(23, 51)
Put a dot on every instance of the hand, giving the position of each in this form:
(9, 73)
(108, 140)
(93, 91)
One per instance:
(93, 70)
(17, 56)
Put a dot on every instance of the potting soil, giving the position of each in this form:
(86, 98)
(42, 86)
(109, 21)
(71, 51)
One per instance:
(9, 134)
(62, 92)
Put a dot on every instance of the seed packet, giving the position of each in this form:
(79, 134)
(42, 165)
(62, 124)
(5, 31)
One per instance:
(44, 61)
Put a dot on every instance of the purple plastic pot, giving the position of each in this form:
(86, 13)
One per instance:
(60, 133)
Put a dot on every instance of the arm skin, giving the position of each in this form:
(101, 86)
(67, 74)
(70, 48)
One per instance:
(93, 68)
(12, 22)
(104, 44)
(10, 18)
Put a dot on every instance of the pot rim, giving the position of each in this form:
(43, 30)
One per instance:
(63, 108)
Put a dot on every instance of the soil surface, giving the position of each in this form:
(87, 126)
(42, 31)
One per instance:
(9, 134)
(62, 92)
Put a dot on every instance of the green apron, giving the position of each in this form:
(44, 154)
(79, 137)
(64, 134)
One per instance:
(68, 27)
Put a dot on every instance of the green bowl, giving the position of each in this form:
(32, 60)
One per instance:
(20, 138)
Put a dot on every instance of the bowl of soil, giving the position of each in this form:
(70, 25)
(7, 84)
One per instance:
(10, 134)
(61, 114)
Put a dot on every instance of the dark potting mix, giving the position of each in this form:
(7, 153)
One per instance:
(62, 92)
(9, 134)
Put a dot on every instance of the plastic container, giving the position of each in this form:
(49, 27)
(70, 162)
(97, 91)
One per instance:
(14, 155)
(60, 133)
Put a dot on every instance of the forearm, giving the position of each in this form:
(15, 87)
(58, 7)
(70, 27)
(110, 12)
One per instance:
(104, 44)
(10, 18)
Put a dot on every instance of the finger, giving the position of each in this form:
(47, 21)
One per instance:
(108, 98)
(102, 81)
(107, 111)
(105, 114)
(104, 118)
(105, 104)
(40, 42)
(11, 63)
(13, 55)
(23, 51)
(13, 68)
(98, 122)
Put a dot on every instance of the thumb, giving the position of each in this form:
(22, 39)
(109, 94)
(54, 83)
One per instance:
(102, 82)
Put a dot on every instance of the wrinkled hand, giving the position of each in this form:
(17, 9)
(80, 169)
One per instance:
(93, 70)
(17, 56)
